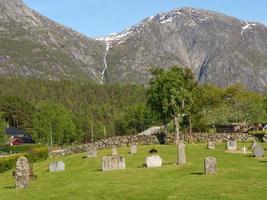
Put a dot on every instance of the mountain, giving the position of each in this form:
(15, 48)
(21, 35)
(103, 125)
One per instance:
(33, 45)
(220, 49)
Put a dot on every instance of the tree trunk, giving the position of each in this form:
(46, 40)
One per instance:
(166, 128)
(190, 126)
(177, 130)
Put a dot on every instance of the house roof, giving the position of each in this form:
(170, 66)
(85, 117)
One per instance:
(12, 131)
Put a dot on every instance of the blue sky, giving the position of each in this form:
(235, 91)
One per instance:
(102, 17)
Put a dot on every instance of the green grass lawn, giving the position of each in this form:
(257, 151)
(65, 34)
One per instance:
(239, 177)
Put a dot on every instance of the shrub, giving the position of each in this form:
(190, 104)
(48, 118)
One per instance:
(33, 155)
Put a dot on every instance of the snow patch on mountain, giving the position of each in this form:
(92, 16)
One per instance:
(247, 26)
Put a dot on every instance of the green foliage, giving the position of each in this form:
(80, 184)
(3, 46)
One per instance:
(51, 118)
(170, 92)
(3, 126)
(9, 162)
(33, 155)
(19, 148)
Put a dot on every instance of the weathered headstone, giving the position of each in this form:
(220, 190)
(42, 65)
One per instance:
(210, 145)
(91, 153)
(258, 151)
(231, 145)
(153, 161)
(133, 149)
(181, 156)
(114, 151)
(110, 163)
(57, 166)
(253, 144)
(22, 174)
(210, 165)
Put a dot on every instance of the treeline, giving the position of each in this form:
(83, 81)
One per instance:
(83, 111)
(73, 111)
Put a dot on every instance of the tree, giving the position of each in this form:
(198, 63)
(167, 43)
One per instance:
(170, 95)
(53, 124)
(3, 126)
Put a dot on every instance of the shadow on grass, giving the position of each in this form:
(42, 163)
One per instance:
(263, 161)
(197, 173)
(9, 187)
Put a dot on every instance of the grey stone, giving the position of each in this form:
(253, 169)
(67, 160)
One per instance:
(22, 174)
(258, 151)
(253, 144)
(153, 161)
(210, 165)
(114, 151)
(231, 145)
(91, 153)
(181, 154)
(110, 163)
(57, 166)
(210, 145)
(133, 149)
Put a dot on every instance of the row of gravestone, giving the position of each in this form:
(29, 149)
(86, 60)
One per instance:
(257, 149)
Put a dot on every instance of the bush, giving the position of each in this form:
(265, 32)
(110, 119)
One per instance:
(20, 148)
(37, 154)
(9, 162)
(33, 155)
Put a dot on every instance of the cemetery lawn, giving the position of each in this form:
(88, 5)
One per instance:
(239, 177)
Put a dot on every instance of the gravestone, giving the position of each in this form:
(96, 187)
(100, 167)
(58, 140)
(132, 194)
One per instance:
(258, 151)
(181, 156)
(231, 145)
(210, 164)
(253, 144)
(210, 145)
(110, 163)
(22, 174)
(91, 153)
(244, 150)
(153, 161)
(114, 151)
(133, 149)
(57, 166)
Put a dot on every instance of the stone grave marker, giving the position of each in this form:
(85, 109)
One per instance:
(244, 150)
(114, 151)
(210, 145)
(110, 163)
(231, 145)
(57, 166)
(91, 153)
(133, 149)
(181, 156)
(253, 144)
(258, 151)
(153, 161)
(210, 165)
(22, 174)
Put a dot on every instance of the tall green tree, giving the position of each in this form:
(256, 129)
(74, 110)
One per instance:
(170, 95)
(3, 126)
(52, 123)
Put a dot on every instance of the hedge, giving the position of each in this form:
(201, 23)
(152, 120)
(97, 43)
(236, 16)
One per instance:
(34, 155)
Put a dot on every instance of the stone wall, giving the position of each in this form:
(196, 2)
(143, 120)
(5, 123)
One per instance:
(113, 141)
(152, 139)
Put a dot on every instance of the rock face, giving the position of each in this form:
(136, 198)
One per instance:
(153, 161)
(110, 163)
(219, 49)
(57, 166)
(22, 174)
(33, 45)
(258, 151)
(210, 165)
